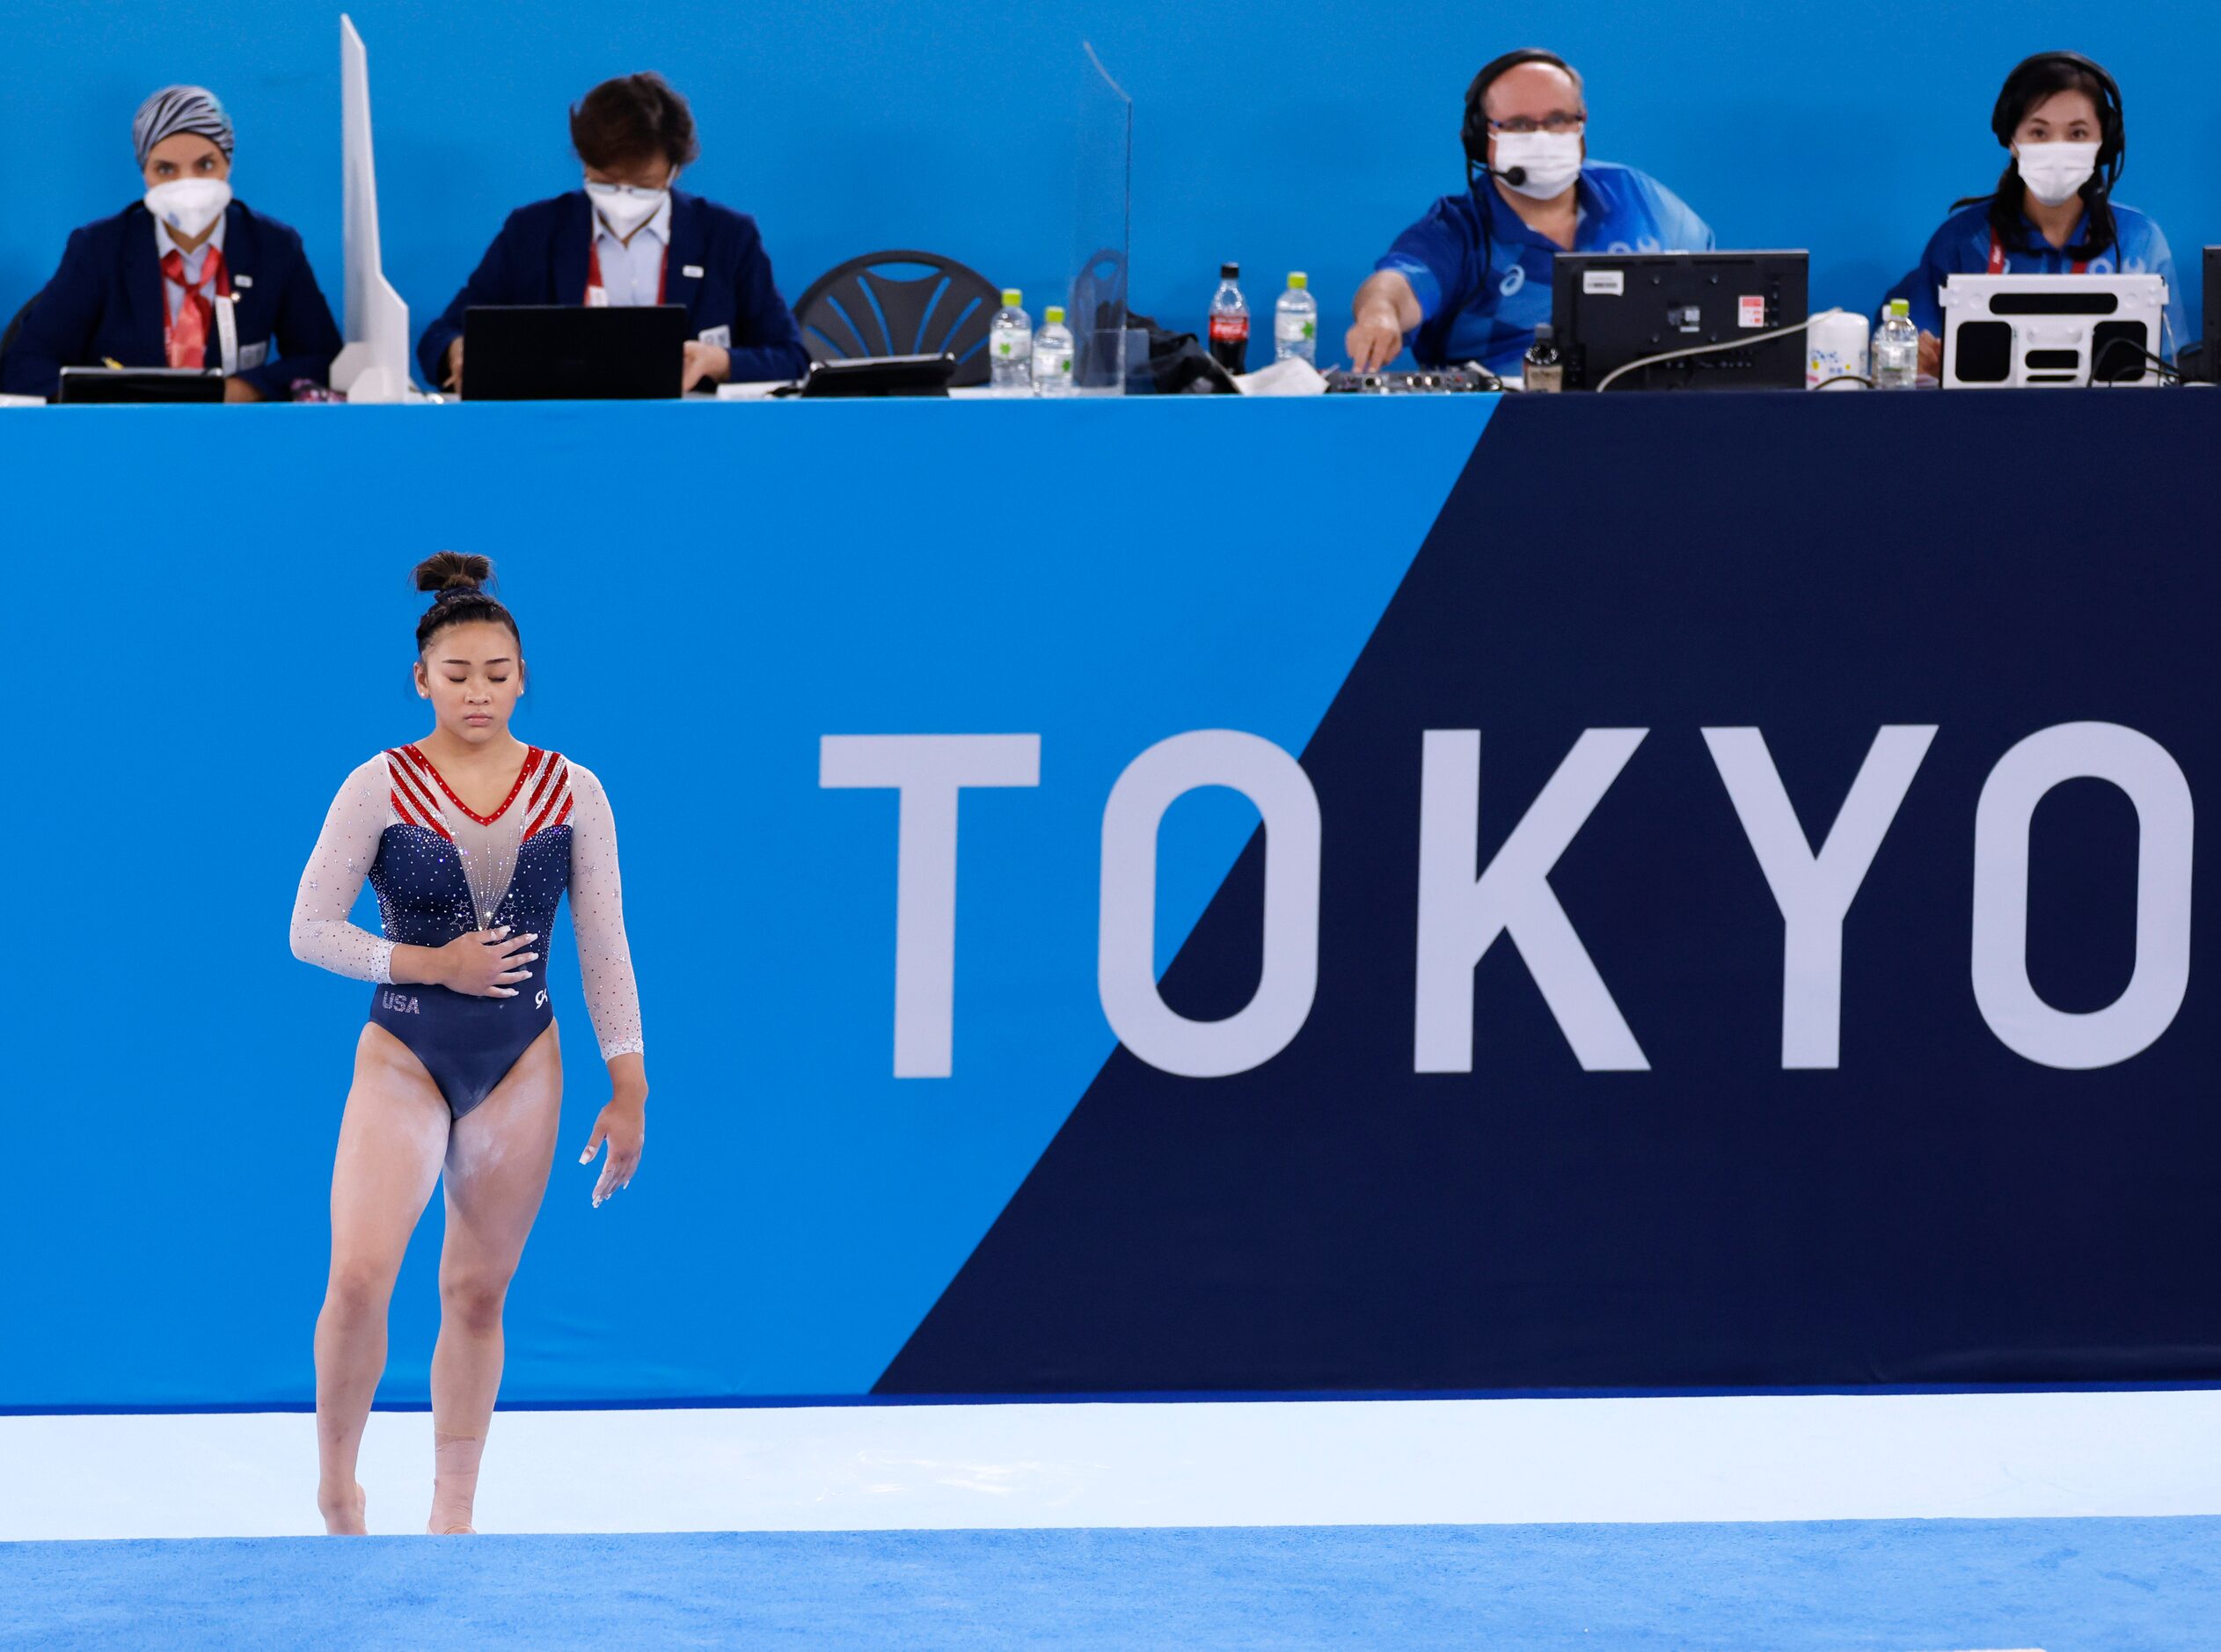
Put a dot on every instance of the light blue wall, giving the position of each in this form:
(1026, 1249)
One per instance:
(800, 1207)
(1302, 135)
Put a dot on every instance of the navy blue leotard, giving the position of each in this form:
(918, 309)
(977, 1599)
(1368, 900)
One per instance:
(424, 900)
(441, 870)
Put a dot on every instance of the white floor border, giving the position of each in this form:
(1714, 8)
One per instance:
(1204, 1463)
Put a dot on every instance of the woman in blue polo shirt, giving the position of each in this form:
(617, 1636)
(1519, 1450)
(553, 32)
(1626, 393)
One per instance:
(629, 238)
(2053, 211)
(186, 277)
(1469, 281)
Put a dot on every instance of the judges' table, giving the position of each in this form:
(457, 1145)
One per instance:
(1730, 924)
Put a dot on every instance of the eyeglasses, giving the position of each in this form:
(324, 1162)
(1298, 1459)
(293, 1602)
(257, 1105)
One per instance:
(1556, 125)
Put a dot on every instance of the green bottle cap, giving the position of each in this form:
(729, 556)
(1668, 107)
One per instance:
(1297, 280)
(1900, 306)
(1012, 298)
(1053, 313)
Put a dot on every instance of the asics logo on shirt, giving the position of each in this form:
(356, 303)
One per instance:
(1515, 278)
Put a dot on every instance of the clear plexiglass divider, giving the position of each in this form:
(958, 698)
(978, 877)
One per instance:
(1102, 216)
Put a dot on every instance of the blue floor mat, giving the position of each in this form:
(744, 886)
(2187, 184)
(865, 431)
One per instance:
(2095, 1585)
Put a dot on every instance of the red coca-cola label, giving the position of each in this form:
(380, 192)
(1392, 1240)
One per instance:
(1227, 329)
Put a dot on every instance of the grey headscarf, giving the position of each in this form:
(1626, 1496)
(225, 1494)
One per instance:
(176, 109)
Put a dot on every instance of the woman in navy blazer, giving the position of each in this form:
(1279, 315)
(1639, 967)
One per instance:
(184, 277)
(628, 238)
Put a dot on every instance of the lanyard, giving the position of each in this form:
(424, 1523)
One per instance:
(597, 297)
(1998, 259)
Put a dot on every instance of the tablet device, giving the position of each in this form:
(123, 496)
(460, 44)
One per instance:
(83, 385)
(573, 352)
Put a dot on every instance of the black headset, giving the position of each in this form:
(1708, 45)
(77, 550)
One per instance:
(2113, 144)
(1475, 133)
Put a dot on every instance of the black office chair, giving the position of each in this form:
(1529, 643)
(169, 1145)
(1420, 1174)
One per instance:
(865, 308)
(14, 327)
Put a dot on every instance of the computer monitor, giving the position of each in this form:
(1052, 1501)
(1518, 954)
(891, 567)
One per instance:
(573, 352)
(2007, 332)
(1610, 309)
(2213, 315)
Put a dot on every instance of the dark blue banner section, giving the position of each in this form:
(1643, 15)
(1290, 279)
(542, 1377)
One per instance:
(1754, 927)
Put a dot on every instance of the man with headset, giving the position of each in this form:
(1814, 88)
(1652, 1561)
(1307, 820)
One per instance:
(1469, 280)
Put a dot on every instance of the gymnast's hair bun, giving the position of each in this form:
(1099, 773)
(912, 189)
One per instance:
(460, 596)
(451, 571)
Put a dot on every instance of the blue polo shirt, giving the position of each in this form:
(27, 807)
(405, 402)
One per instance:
(1962, 247)
(1482, 277)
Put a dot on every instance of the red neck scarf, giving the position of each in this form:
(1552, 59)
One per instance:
(185, 336)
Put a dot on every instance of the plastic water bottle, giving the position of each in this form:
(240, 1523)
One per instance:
(1230, 321)
(1897, 348)
(1010, 344)
(1053, 355)
(1296, 321)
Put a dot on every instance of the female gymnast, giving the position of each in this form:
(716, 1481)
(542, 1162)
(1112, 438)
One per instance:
(470, 836)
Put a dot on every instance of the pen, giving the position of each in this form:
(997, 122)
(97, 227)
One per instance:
(109, 360)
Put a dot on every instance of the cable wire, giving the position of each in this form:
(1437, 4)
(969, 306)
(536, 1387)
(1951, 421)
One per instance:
(2167, 370)
(1604, 383)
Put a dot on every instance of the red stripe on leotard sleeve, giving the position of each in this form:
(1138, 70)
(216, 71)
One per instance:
(417, 792)
(429, 824)
(533, 801)
(559, 793)
(561, 815)
(413, 782)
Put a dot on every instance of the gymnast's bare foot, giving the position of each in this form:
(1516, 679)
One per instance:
(454, 1483)
(343, 1512)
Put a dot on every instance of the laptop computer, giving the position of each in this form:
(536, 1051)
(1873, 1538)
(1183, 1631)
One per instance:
(82, 385)
(573, 352)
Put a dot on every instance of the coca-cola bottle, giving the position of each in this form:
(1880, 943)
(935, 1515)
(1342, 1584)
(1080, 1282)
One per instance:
(1230, 321)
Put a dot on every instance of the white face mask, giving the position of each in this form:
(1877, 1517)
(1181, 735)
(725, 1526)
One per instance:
(2054, 171)
(189, 205)
(1548, 161)
(625, 208)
